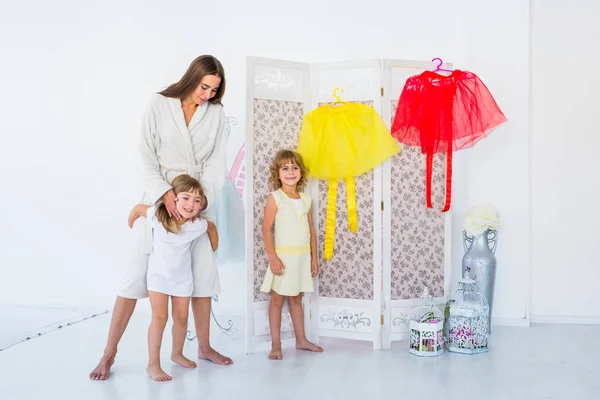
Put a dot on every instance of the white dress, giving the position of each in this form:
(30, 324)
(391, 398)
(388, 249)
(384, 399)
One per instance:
(292, 246)
(170, 263)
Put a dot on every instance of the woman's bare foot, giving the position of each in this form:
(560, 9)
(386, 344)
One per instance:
(211, 354)
(276, 353)
(102, 370)
(306, 345)
(183, 361)
(156, 373)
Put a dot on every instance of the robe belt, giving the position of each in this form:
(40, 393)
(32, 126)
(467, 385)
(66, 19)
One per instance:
(189, 168)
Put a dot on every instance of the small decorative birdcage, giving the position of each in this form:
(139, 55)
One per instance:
(426, 328)
(466, 320)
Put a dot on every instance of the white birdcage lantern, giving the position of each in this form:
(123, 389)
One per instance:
(426, 328)
(467, 320)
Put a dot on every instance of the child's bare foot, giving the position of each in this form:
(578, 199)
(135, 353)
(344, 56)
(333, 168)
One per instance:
(306, 345)
(276, 353)
(184, 362)
(211, 354)
(156, 373)
(102, 370)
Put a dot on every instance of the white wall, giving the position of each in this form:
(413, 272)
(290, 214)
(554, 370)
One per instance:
(565, 138)
(76, 80)
(495, 44)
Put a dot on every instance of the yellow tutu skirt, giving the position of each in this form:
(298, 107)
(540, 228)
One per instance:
(341, 142)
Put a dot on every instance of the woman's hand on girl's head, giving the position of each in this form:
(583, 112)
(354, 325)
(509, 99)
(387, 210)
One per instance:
(170, 200)
(277, 266)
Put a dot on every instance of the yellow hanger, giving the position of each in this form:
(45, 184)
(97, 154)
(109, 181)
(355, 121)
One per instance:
(337, 98)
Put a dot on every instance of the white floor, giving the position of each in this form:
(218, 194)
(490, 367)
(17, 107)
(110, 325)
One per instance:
(541, 362)
(22, 323)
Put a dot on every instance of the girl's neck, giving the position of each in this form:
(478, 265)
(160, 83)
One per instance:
(290, 190)
(180, 222)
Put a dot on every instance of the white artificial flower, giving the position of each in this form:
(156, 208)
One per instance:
(479, 218)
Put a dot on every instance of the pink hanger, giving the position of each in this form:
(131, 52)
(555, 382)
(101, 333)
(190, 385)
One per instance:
(439, 65)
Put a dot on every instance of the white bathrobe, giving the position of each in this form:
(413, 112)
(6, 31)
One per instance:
(169, 148)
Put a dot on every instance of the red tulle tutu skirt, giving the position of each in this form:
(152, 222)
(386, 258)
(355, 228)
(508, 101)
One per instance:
(444, 114)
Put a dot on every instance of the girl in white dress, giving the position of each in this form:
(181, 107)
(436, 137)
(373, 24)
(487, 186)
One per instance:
(293, 252)
(170, 267)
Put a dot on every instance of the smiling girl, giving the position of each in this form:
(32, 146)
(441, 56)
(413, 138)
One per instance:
(292, 251)
(170, 267)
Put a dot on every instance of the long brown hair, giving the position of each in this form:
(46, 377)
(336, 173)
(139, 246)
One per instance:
(182, 183)
(286, 157)
(198, 69)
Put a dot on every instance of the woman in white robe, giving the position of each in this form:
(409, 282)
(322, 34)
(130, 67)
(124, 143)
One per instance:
(182, 133)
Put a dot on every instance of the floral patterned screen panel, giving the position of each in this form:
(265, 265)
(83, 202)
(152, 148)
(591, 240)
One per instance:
(349, 273)
(276, 126)
(417, 248)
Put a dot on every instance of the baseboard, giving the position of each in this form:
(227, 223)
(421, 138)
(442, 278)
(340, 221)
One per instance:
(518, 322)
(564, 319)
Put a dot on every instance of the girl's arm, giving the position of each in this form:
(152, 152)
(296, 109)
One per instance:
(213, 236)
(270, 211)
(314, 261)
(137, 211)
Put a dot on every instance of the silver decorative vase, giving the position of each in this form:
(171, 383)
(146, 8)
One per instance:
(479, 263)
